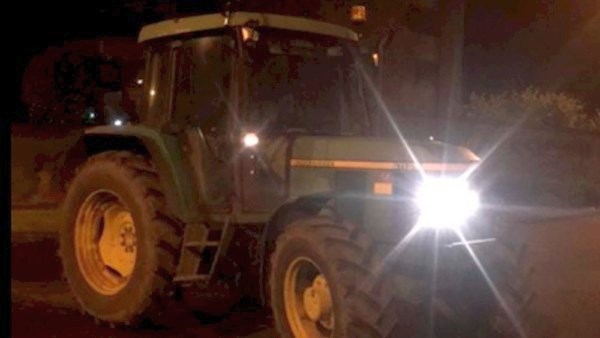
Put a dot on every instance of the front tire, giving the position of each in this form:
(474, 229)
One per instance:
(496, 304)
(363, 301)
(323, 284)
(118, 243)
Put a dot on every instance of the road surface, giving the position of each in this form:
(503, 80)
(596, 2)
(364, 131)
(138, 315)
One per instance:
(42, 305)
(565, 254)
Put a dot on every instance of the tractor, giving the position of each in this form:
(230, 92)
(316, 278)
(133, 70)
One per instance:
(254, 172)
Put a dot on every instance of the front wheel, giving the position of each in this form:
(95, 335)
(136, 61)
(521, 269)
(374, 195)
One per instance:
(495, 293)
(323, 284)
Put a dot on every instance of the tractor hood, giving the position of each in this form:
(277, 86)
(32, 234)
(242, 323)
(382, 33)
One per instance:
(377, 154)
(316, 163)
(371, 179)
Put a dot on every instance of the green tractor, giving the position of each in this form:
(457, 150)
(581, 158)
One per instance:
(254, 173)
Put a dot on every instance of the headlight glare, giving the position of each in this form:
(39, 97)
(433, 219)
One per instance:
(445, 203)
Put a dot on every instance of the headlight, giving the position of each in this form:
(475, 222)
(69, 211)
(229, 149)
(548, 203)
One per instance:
(445, 203)
(250, 140)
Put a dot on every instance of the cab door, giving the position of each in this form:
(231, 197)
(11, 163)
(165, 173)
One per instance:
(200, 107)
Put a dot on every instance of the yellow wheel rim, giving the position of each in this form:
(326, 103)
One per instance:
(307, 300)
(105, 242)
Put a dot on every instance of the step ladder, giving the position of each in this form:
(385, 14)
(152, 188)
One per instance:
(202, 246)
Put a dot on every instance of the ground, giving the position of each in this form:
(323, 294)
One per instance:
(565, 254)
(42, 305)
(566, 260)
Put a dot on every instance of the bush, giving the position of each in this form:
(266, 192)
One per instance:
(533, 107)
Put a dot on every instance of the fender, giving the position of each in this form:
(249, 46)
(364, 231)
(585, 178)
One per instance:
(282, 216)
(167, 155)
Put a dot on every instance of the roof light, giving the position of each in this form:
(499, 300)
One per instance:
(358, 14)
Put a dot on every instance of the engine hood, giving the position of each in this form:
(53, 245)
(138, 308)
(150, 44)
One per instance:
(322, 164)
(377, 154)
(316, 164)
(368, 176)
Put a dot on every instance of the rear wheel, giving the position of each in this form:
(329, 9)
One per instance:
(105, 242)
(119, 243)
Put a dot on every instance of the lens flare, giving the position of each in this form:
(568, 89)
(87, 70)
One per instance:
(503, 304)
(445, 203)
(250, 140)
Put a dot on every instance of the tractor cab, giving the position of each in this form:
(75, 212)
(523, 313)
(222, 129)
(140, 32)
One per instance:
(269, 73)
(241, 87)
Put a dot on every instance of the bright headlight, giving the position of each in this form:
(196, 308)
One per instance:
(445, 203)
(250, 140)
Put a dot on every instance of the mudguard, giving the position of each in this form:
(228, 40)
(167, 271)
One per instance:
(167, 155)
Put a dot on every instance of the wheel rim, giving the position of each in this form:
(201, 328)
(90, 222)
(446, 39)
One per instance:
(105, 242)
(307, 300)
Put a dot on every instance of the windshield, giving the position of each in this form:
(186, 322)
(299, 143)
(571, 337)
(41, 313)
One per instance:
(300, 82)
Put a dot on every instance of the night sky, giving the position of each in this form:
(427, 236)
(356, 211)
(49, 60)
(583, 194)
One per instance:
(509, 44)
(551, 43)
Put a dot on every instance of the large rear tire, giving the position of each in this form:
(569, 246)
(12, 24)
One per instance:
(118, 242)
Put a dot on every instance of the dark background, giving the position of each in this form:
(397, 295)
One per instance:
(554, 44)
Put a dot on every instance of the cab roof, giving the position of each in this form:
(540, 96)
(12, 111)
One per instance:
(207, 22)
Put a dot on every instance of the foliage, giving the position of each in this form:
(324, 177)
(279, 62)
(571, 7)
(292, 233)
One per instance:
(534, 107)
